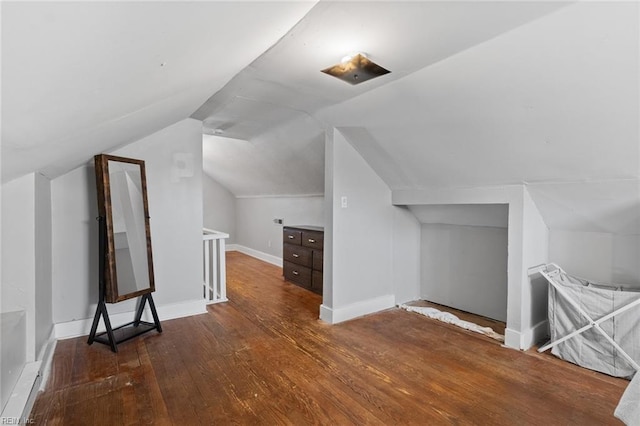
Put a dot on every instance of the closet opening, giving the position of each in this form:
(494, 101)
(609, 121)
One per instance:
(463, 257)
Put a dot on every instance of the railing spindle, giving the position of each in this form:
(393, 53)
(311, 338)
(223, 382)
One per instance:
(215, 269)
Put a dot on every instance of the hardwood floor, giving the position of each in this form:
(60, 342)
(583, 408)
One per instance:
(265, 358)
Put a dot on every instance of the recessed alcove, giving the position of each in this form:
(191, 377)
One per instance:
(463, 256)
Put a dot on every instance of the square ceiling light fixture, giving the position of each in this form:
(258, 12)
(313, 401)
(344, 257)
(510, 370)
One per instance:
(356, 69)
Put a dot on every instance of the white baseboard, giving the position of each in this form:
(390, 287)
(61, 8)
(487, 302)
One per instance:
(67, 330)
(355, 310)
(46, 356)
(19, 404)
(526, 339)
(511, 338)
(266, 257)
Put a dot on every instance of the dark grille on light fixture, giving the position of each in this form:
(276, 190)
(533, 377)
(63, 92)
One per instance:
(356, 70)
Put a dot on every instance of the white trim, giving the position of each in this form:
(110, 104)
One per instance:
(67, 330)
(213, 302)
(23, 395)
(358, 309)
(326, 314)
(527, 338)
(281, 196)
(212, 234)
(266, 257)
(512, 338)
(46, 356)
(231, 247)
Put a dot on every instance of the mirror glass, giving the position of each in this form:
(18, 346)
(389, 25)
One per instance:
(129, 236)
(126, 251)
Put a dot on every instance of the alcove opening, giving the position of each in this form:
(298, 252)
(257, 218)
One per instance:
(463, 257)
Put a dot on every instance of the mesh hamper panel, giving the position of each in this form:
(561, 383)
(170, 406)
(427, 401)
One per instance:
(591, 349)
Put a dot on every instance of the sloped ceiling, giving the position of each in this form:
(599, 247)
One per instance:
(285, 83)
(481, 93)
(79, 78)
(491, 215)
(554, 100)
(277, 162)
(553, 104)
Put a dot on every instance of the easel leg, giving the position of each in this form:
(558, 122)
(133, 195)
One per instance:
(139, 311)
(94, 326)
(147, 298)
(107, 324)
(152, 305)
(125, 332)
(101, 310)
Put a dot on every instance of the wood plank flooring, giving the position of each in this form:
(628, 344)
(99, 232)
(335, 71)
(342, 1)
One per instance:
(265, 358)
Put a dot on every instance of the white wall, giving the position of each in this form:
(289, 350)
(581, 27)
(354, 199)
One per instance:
(173, 159)
(535, 251)
(13, 356)
(18, 247)
(75, 245)
(465, 267)
(361, 253)
(26, 251)
(597, 256)
(219, 207)
(255, 228)
(26, 275)
(43, 262)
(326, 309)
(18, 280)
(406, 255)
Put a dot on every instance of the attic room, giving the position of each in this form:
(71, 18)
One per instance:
(505, 137)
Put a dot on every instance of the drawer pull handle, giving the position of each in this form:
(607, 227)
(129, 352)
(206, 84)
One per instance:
(295, 273)
(296, 255)
(291, 237)
(311, 240)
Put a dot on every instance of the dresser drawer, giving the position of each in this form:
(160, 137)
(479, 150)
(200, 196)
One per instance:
(298, 274)
(313, 239)
(297, 254)
(292, 236)
(317, 260)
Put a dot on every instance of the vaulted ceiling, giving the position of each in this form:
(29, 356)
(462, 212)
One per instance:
(481, 93)
(285, 84)
(79, 78)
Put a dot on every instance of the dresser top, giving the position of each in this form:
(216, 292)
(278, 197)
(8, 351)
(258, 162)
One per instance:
(306, 227)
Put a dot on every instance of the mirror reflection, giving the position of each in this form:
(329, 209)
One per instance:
(129, 231)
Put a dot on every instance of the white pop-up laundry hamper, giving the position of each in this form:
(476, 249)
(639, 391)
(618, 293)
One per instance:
(596, 326)
(592, 324)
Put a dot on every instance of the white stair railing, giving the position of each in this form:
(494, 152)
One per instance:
(215, 267)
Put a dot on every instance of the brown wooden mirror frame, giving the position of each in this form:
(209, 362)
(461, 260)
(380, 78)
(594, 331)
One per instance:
(113, 292)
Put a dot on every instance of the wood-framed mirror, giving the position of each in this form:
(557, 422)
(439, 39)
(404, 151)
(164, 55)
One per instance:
(123, 206)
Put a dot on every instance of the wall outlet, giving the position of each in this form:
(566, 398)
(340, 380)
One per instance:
(278, 221)
(343, 202)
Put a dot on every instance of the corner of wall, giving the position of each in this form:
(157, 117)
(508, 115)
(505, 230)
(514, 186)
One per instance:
(327, 278)
(406, 255)
(535, 251)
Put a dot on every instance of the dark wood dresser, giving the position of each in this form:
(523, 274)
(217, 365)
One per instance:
(302, 256)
